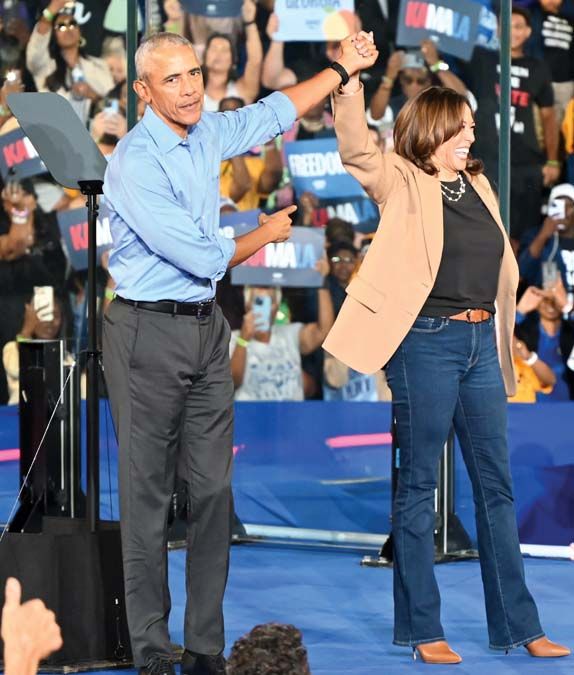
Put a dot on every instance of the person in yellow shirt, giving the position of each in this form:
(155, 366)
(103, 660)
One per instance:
(249, 178)
(532, 374)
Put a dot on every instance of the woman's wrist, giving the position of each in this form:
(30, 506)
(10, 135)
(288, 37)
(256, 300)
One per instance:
(531, 360)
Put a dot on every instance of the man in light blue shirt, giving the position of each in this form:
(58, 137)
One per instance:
(165, 341)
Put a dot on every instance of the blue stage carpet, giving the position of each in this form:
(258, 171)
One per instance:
(345, 611)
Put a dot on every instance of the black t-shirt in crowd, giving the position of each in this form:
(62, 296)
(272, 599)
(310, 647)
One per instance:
(553, 40)
(558, 46)
(473, 246)
(531, 84)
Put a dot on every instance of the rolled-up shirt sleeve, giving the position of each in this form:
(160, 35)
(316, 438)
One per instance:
(150, 209)
(246, 127)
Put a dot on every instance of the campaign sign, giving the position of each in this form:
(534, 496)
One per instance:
(217, 8)
(74, 230)
(18, 156)
(314, 20)
(452, 24)
(289, 263)
(361, 212)
(315, 166)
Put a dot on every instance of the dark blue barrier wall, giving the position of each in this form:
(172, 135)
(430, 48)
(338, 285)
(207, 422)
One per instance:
(328, 466)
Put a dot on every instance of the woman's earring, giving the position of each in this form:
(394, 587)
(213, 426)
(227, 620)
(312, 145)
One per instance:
(83, 42)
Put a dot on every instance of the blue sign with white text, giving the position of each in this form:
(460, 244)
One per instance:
(288, 263)
(315, 166)
(451, 24)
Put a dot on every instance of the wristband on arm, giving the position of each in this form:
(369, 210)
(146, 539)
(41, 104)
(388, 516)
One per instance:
(338, 68)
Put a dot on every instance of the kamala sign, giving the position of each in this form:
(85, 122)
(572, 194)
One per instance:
(452, 24)
(288, 263)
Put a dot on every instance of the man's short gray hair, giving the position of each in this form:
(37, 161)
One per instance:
(150, 44)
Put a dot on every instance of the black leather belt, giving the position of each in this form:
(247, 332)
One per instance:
(197, 309)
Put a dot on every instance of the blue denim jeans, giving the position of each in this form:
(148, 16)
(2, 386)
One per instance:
(446, 372)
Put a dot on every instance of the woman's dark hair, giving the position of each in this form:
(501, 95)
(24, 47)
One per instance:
(57, 79)
(232, 75)
(426, 121)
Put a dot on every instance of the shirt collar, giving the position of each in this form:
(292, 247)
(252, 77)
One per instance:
(165, 137)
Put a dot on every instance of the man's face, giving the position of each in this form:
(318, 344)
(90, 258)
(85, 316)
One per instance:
(413, 81)
(173, 86)
(519, 31)
(342, 266)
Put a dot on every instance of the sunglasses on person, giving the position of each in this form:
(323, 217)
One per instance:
(342, 259)
(66, 25)
(407, 79)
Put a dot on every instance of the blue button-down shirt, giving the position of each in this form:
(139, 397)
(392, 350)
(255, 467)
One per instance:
(162, 198)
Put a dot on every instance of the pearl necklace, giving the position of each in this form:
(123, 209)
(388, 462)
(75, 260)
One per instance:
(453, 195)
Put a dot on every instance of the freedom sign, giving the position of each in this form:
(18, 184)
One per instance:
(289, 263)
(315, 166)
(18, 157)
(314, 20)
(217, 8)
(451, 24)
(74, 230)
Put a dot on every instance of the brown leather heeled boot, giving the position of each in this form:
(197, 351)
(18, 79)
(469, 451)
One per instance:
(546, 649)
(436, 652)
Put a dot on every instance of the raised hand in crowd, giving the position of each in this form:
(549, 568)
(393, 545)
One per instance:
(247, 331)
(272, 25)
(248, 11)
(44, 26)
(530, 300)
(440, 68)
(30, 323)
(110, 123)
(29, 631)
(274, 74)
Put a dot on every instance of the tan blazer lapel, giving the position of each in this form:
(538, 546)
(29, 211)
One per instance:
(430, 217)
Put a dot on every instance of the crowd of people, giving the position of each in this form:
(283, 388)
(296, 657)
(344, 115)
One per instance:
(77, 49)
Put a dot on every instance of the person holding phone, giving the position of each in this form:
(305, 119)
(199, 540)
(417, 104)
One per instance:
(165, 340)
(266, 356)
(548, 336)
(30, 255)
(548, 254)
(57, 59)
(422, 306)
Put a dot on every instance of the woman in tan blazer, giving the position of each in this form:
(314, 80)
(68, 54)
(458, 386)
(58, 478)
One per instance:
(423, 305)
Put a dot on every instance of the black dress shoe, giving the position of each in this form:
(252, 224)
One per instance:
(202, 664)
(158, 665)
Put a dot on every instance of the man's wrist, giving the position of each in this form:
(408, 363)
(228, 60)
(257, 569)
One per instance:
(242, 342)
(342, 71)
(553, 162)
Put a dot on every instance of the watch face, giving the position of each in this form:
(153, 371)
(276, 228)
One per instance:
(443, 66)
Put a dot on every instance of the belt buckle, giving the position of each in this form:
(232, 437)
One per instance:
(201, 310)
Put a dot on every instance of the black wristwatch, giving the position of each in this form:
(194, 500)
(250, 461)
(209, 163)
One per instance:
(338, 68)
